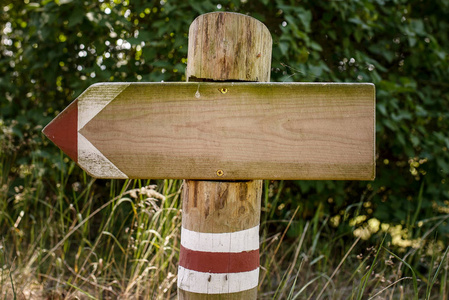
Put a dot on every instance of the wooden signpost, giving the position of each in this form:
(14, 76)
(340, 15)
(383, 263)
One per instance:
(222, 136)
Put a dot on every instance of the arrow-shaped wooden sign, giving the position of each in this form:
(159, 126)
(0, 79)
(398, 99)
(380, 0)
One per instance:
(229, 131)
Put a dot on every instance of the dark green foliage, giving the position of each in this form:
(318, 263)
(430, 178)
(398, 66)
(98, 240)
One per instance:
(51, 51)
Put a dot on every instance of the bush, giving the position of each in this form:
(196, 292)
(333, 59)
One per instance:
(52, 50)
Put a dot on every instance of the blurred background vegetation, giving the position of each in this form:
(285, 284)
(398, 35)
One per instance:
(51, 211)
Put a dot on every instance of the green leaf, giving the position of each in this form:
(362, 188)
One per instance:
(415, 140)
(306, 17)
(283, 46)
(443, 165)
(392, 125)
(412, 41)
(382, 108)
(418, 26)
(76, 17)
(316, 46)
(316, 71)
(134, 41)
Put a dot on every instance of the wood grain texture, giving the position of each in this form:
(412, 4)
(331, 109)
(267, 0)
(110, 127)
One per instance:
(238, 130)
(225, 47)
(228, 46)
(221, 206)
(224, 214)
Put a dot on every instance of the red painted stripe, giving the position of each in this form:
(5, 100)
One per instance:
(219, 262)
(63, 131)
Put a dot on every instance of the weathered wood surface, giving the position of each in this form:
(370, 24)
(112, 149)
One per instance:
(218, 206)
(220, 239)
(221, 218)
(228, 131)
(228, 46)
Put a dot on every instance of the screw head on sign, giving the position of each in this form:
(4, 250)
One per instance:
(223, 90)
(220, 173)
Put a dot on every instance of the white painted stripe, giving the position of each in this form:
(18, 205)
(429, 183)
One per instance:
(239, 241)
(94, 162)
(212, 283)
(95, 98)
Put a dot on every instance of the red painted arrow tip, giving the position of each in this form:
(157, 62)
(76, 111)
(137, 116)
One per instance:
(63, 130)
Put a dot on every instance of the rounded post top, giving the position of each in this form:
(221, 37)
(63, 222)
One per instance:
(230, 14)
(225, 46)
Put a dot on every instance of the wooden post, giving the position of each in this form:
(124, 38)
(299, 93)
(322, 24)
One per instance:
(220, 131)
(219, 257)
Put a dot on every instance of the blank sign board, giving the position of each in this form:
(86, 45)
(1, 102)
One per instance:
(226, 131)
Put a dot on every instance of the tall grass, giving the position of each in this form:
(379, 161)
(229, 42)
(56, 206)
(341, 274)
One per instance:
(91, 239)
